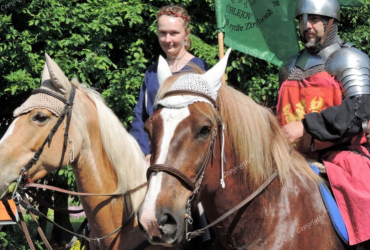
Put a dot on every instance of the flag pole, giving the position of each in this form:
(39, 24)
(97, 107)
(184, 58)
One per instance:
(221, 51)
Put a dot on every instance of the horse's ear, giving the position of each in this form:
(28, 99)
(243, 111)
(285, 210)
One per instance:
(45, 74)
(163, 70)
(59, 80)
(214, 75)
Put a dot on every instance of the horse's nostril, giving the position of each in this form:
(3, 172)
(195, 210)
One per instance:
(163, 220)
(167, 224)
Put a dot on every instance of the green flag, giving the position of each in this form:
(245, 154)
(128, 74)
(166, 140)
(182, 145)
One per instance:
(261, 28)
(350, 3)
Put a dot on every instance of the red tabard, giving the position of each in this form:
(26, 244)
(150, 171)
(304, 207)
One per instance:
(313, 94)
(348, 172)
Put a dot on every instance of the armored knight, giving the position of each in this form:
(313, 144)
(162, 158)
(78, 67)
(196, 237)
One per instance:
(325, 95)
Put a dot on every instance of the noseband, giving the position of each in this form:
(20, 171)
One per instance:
(67, 111)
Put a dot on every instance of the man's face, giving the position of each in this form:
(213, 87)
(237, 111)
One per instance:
(315, 29)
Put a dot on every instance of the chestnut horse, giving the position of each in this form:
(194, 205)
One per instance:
(192, 111)
(104, 157)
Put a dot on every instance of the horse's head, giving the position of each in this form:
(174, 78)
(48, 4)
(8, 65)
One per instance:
(183, 134)
(34, 120)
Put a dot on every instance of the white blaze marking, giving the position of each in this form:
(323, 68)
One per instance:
(148, 214)
(171, 119)
(9, 131)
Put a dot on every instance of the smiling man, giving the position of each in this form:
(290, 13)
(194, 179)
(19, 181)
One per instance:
(324, 107)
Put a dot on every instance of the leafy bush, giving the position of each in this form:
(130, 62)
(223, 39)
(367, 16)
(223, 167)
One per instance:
(15, 238)
(109, 44)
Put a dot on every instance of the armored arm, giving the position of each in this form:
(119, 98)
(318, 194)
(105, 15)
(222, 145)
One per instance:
(351, 67)
(340, 123)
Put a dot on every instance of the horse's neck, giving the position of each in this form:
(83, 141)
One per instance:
(93, 171)
(94, 174)
(269, 221)
(274, 210)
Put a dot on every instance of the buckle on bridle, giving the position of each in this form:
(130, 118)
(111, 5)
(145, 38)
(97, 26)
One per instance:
(23, 179)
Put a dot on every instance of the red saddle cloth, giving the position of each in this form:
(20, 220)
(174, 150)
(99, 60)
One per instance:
(349, 176)
(348, 172)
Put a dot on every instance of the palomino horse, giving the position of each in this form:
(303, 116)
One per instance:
(106, 158)
(188, 139)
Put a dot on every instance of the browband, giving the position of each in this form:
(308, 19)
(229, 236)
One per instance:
(190, 92)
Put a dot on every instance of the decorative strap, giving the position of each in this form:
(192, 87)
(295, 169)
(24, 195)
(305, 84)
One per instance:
(190, 92)
(222, 144)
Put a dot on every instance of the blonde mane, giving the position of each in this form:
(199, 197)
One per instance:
(121, 148)
(260, 143)
(255, 136)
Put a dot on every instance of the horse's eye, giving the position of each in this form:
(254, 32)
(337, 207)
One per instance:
(204, 132)
(39, 117)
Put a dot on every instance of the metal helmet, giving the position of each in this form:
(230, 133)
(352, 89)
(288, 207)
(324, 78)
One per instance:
(328, 8)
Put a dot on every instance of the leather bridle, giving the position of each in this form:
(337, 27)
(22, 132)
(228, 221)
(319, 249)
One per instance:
(192, 184)
(67, 111)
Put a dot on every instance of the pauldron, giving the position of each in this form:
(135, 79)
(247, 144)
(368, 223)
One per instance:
(351, 67)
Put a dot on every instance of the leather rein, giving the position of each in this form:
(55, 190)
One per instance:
(24, 181)
(192, 184)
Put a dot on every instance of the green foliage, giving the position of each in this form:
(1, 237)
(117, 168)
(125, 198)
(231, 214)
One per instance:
(65, 175)
(77, 246)
(355, 26)
(109, 44)
(255, 77)
(15, 238)
(105, 44)
(63, 178)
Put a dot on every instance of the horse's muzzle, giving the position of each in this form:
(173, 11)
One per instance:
(162, 231)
